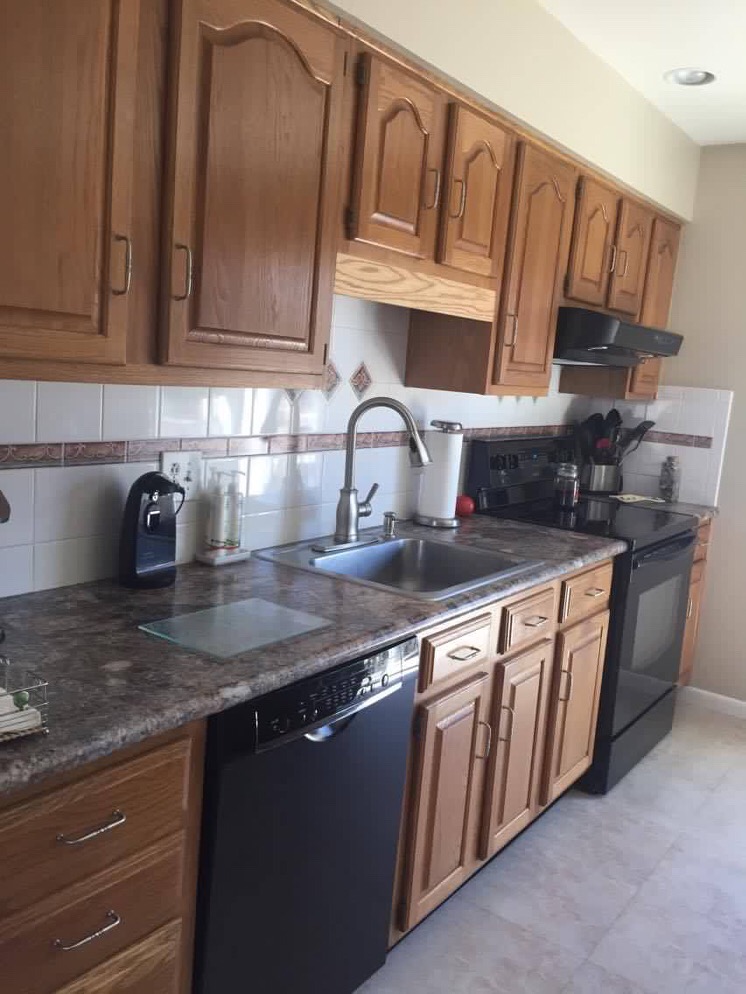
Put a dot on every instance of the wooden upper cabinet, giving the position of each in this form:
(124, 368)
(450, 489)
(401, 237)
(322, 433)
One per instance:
(538, 243)
(253, 186)
(632, 242)
(67, 117)
(476, 201)
(398, 169)
(519, 728)
(577, 687)
(664, 250)
(593, 252)
(452, 731)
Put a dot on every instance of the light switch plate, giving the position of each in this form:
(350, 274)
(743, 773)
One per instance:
(184, 468)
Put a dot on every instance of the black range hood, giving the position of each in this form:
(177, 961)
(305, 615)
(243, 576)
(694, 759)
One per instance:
(585, 336)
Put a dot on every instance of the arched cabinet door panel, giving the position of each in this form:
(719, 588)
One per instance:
(478, 187)
(254, 187)
(398, 167)
(592, 252)
(632, 242)
(664, 250)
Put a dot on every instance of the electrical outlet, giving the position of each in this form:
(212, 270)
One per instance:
(184, 468)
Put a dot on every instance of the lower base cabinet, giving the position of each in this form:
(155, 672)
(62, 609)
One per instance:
(519, 724)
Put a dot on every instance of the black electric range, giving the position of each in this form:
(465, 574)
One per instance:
(513, 478)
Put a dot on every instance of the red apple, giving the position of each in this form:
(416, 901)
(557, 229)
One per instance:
(464, 506)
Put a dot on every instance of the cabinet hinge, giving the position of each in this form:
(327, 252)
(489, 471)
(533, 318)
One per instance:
(351, 221)
(417, 725)
(401, 913)
(346, 60)
(326, 354)
(566, 283)
(362, 71)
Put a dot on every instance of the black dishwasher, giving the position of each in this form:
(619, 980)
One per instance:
(303, 796)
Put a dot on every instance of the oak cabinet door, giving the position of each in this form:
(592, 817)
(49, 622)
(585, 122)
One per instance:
(452, 731)
(397, 176)
(691, 630)
(519, 729)
(67, 117)
(592, 252)
(254, 168)
(643, 380)
(476, 201)
(664, 250)
(574, 708)
(538, 243)
(633, 242)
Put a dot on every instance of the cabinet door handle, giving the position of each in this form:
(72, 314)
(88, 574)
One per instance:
(117, 818)
(463, 653)
(612, 264)
(189, 272)
(511, 712)
(436, 195)
(689, 608)
(488, 746)
(511, 343)
(536, 621)
(595, 592)
(113, 920)
(462, 200)
(568, 673)
(626, 263)
(125, 288)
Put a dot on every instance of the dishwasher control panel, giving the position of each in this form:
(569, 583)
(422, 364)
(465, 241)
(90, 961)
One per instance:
(333, 695)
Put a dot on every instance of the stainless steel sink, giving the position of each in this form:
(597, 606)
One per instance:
(415, 567)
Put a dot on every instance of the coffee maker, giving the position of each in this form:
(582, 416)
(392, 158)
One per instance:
(147, 544)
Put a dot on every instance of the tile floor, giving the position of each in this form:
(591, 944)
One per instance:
(639, 892)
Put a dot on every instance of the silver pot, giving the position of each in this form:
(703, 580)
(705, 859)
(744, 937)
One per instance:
(601, 479)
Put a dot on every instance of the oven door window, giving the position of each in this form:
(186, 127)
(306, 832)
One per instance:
(653, 633)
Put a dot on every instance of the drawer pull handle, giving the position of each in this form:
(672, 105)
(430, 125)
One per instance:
(488, 746)
(113, 921)
(464, 652)
(117, 818)
(568, 674)
(536, 621)
(511, 712)
(595, 592)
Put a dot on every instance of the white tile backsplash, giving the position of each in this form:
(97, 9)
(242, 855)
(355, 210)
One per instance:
(130, 411)
(69, 412)
(17, 411)
(65, 522)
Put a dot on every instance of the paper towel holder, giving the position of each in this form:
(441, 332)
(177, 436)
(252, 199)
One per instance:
(452, 428)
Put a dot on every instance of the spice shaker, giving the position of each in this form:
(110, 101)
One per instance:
(566, 485)
(670, 479)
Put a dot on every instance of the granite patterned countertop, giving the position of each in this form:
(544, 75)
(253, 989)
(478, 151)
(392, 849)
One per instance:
(112, 685)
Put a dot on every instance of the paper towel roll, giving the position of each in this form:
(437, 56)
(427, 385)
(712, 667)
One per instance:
(439, 484)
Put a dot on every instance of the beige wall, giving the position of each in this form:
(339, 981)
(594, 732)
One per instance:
(709, 309)
(521, 58)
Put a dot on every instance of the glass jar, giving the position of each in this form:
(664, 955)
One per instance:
(566, 485)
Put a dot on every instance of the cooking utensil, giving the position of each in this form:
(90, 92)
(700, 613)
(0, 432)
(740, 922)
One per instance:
(612, 422)
(634, 440)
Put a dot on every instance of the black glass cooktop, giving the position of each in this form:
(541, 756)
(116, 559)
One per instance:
(639, 526)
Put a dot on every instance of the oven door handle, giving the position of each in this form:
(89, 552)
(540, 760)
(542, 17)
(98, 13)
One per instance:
(667, 552)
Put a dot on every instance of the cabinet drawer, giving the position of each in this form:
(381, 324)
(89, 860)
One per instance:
(586, 593)
(703, 540)
(64, 937)
(531, 618)
(71, 833)
(147, 967)
(448, 652)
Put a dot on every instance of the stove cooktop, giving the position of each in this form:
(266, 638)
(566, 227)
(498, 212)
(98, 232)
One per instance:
(639, 526)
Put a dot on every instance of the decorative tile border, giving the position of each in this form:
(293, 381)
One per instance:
(148, 450)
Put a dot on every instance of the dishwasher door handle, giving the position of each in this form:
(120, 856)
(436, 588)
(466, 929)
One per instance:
(336, 725)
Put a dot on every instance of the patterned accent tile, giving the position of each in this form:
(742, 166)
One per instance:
(331, 380)
(149, 449)
(325, 443)
(287, 443)
(361, 381)
(702, 441)
(208, 446)
(16, 456)
(382, 439)
(90, 453)
(248, 445)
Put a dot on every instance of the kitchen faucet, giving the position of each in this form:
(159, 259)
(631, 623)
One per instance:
(4, 509)
(349, 508)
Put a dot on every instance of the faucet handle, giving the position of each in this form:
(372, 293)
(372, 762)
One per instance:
(364, 509)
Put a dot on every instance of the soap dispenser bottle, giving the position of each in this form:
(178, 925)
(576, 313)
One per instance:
(218, 511)
(234, 506)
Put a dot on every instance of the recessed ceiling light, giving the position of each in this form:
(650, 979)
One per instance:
(689, 77)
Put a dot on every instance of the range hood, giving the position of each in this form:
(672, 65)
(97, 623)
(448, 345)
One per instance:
(585, 336)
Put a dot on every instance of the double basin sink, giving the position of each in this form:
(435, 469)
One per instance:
(415, 567)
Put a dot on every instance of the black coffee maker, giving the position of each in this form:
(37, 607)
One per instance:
(147, 544)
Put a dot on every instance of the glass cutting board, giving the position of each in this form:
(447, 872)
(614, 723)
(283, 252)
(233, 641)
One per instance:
(231, 629)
